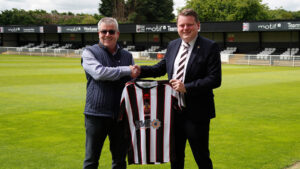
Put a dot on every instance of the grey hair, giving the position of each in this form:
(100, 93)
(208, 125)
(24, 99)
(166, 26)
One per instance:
(109, 21)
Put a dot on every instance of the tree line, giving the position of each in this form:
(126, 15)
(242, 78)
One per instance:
(152, 11)
(41, 17)
(238, 10)
(137, 11)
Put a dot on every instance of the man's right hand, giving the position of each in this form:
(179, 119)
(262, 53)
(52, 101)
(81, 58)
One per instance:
(135, 71)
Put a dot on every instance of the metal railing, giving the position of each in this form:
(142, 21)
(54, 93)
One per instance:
(41, 51)
(270, 60)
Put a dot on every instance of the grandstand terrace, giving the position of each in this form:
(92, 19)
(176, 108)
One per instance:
(238, 41)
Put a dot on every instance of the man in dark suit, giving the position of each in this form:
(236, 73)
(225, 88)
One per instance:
(194, 69)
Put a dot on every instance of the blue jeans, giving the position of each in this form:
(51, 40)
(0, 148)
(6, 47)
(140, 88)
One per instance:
(97, 129)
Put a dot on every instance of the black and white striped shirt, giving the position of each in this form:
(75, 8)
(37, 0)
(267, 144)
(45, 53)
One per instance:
(147, 107)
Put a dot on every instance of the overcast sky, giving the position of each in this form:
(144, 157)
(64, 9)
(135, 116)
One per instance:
(91, 6)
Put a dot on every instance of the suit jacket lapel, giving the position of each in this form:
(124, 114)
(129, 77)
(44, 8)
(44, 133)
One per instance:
(173, 55)
(195, 51)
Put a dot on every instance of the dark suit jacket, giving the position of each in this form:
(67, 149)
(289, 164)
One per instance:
(203, 74)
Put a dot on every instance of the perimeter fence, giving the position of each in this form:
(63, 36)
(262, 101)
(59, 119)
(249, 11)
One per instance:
(246, 59)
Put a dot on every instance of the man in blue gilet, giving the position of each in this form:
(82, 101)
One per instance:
(107, 68)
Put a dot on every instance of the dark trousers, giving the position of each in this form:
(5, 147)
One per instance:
(97, 128)
(197, 133)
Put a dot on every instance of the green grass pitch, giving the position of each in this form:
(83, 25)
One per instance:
(42, 123)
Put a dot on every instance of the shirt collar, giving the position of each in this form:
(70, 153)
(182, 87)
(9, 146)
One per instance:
(191, 42)
(104, 47)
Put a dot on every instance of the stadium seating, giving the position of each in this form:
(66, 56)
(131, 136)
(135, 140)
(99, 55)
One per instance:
(130, 48)
(80, 50)
(163, 51)
(265, 53)
(54, 45)
(286, 55)
(28, 45)
(66, 46)
(42, 45)
(152, 49)
(229, 50)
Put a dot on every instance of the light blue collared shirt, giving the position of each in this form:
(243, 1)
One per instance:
(99, 72)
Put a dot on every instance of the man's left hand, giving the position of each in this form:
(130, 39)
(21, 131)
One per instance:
(177, 85)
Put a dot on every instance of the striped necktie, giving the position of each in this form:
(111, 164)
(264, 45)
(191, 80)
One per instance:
(182, 61)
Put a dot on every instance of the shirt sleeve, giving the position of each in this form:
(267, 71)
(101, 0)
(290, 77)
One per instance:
(99, 72)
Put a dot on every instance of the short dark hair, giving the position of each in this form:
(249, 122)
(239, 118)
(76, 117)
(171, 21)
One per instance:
(188, 12)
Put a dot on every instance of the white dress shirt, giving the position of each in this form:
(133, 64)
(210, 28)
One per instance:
(181, 50)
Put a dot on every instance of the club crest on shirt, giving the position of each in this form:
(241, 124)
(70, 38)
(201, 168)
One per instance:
(147, 106)
(147, 109)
